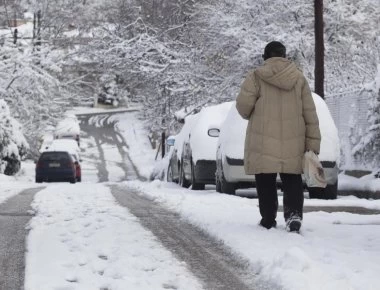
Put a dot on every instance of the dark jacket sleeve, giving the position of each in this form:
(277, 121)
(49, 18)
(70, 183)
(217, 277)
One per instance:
(249, 93)
(313, 135)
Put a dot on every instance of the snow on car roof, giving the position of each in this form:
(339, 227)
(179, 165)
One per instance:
(68, 126)
(67, 145)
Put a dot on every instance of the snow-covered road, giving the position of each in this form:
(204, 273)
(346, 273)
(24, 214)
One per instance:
(82, 239)
(336, 250)
(113, 231)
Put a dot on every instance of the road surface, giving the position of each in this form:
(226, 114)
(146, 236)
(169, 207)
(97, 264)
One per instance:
(14, 217)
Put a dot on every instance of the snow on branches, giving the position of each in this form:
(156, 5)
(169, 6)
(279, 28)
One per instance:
(13, 145)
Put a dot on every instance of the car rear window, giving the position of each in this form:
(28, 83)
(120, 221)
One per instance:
(55, 156)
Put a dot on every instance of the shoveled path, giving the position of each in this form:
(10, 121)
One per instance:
(14, 217)
(211, 262)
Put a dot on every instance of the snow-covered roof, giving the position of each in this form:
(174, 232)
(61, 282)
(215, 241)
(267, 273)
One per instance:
(67, 145)
(68, 126)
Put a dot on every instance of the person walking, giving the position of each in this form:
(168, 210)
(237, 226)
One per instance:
(283, 125)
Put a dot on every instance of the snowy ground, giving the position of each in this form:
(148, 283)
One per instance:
(12, 185)
(81, 238)
(333, 251)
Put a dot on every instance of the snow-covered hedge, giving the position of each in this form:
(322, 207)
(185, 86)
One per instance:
(13, 145)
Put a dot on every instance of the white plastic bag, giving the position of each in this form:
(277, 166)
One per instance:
(313, 170)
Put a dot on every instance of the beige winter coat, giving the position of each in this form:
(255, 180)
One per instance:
(283, 124)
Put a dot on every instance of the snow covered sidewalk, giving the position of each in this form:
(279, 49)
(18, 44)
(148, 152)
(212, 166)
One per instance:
(333, 251)
(82, 239)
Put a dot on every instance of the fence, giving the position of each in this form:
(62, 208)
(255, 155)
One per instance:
(350, 113)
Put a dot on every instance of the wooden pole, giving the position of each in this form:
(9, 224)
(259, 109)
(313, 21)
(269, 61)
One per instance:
(319, 71)
(163, 147)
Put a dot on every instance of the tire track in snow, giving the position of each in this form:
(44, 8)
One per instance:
(214, 265)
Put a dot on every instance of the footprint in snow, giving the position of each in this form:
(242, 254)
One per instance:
(103, 257)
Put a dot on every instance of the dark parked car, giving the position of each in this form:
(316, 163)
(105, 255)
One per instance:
(56, 166)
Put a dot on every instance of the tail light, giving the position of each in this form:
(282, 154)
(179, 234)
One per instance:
(70, 164)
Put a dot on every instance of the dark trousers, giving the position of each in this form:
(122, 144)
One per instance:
(268, 201)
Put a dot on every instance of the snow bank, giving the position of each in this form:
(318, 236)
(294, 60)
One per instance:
(367, 183)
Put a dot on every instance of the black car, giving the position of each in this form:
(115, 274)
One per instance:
(56, 166)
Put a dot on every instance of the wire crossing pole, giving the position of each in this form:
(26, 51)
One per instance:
(319, 71)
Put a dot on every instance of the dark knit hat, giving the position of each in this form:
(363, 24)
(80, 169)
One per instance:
(273, 49)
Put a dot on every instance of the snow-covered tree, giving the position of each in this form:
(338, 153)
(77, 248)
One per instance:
(13, 145)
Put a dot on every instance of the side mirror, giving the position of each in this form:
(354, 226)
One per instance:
(170, 142)
(213, 132)
(76, 163)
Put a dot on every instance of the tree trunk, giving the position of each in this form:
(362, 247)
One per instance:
(319, 72)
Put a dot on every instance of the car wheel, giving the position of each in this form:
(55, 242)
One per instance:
(227, 187)
(182, 179)
(330, 192)
(73, 180)
(79, 179)
(38, 180)
(194, 184)
(218, 186)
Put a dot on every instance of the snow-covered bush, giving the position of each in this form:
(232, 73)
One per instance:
(13, 145)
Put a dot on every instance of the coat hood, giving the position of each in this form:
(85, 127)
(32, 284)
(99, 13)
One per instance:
(279, 72)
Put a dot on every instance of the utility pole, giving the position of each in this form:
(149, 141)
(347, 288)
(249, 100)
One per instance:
(38, 28)
(34, 26)
(319, 71)
(15, 36)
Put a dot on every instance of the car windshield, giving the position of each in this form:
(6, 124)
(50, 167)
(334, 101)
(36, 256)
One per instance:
(54, 156)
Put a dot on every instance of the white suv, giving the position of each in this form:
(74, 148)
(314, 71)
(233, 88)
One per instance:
(230, 173)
